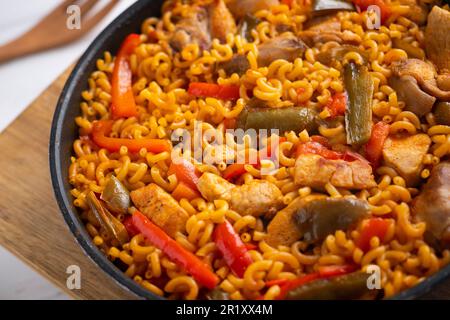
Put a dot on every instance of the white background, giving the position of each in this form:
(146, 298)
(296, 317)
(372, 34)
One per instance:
(21, 81)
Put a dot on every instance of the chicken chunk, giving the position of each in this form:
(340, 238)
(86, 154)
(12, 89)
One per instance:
(202, 24)
(213, 187)
(433, 204)
(161, 208)
(405, 154)
(417, 11)
(256, 198)
(315, 171)
(437, 38)
(221, 20)
(283, 230)
(194, 28)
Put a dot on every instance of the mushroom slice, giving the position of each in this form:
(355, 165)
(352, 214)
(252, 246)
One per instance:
(408, 91)
(240, 8)
(424, 73)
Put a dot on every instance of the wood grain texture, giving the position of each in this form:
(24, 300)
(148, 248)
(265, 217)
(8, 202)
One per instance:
(31, 225)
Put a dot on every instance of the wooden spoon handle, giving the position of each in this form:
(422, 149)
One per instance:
(19, 47)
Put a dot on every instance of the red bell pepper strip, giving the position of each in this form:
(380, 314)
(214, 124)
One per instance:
(269, 148)
(229, 123)
(322, 140)
(375, 227)
(324, 272)
(318, 146)
(232, 248)
(312, 147)
(251, 246)
(350, 156)
(101, 128)
(131, 229)
(385, 10)
(183, 191)
(123, 104)
(233, 171)
(336, 104)
(175, 252)
(374, 147)
(331, 271)
(219, 91)
(292, 284)
(278, 282)
(185, 172)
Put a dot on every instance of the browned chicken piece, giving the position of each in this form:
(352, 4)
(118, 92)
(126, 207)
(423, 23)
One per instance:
(417, 11)
(416, 100)
(221, 20)
(240, 8)
(202, 24)
(283, 230)
(256, 198)
(286, 46)
(424, 73)
(160, 208)
(433, 204)
(443, 81)
(437, 38)
(315, 171)
(194, 28)
(213, 187)
(405, 154)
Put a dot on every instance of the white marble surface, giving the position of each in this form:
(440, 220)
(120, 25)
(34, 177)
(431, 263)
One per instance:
(18, 281)
(21, 81)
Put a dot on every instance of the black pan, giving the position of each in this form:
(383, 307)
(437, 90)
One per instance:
(64, 132)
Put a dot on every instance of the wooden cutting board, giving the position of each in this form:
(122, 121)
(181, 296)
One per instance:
(31, 225)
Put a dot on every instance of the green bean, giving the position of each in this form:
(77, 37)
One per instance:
(284, 119)
(358, 115)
